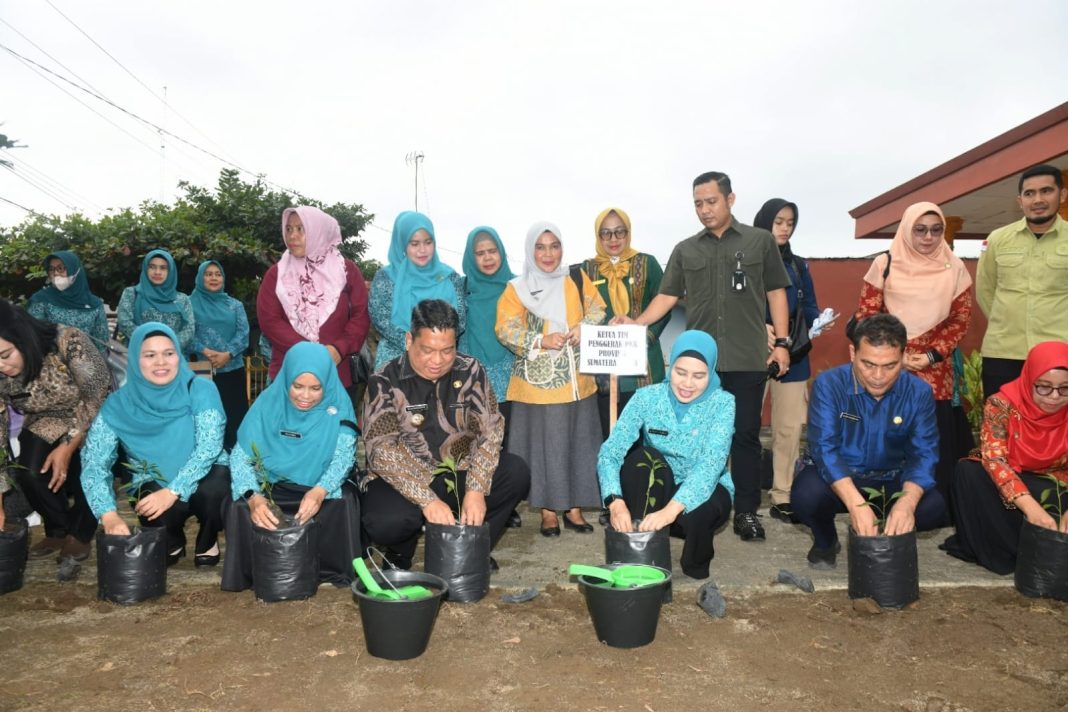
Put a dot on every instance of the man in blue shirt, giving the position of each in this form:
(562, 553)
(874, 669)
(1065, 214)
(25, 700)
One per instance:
(870, 424)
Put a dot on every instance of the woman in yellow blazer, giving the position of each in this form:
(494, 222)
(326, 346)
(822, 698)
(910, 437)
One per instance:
(555, 426)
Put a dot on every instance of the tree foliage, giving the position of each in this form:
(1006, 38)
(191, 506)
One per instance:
(239, 224)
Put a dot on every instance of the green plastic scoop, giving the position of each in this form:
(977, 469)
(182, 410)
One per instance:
(408, 593)
(626, 576)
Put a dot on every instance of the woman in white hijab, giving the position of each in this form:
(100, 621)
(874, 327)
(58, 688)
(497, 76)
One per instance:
(555, 426)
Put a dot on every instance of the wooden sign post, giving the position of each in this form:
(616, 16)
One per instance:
(616, 351)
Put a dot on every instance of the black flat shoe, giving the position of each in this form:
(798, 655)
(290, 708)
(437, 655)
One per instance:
(584, 528)
(494, 566)
(201, 561)
(514, 520)
(172, 559)
(554, 530)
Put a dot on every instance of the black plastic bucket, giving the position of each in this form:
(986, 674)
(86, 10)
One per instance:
(285, 561)
(461, 556)
(650, 548)
(884, 568)
(14, 549)
(131, 569)
(624, 617)
(1042, 563)
(399, 630)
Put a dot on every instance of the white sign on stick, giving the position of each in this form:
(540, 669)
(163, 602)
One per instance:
(621, 350)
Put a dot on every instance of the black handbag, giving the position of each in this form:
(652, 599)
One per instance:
(801, 344)
(360, 365)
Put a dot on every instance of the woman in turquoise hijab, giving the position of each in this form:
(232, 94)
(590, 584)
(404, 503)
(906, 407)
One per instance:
(297, 445)
(170, 425)
(221, 337)
(68, 301)
(686, 424)
(155, 297)
(414, 273)
(486, 274)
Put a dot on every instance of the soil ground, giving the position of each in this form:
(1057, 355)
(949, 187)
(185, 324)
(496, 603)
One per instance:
(971, 643)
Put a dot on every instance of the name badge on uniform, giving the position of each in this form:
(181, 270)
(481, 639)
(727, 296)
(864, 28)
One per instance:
(656, 431)
(290, 434)
(598, 282)
(849, 416)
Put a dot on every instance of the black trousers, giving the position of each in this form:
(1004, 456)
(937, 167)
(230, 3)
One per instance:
(999, 371)
(339, 535)
(747, 387)
(232, 391)
(205, 504)
(392, 520)
(954, 442)
(64, 512)
(815, 504)
(988, 533)
(696, 527)
(505, 408)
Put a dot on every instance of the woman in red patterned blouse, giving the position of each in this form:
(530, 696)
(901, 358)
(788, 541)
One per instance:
(1024, 444)
(921, 282)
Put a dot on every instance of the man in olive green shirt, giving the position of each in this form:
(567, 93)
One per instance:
(1022, 279)
(727, 273)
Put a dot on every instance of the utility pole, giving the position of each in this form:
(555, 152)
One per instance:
(413, 158)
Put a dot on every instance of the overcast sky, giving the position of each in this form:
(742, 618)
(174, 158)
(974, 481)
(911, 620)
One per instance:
(524, 111)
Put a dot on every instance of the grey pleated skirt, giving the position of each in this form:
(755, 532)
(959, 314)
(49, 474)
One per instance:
(560, 443)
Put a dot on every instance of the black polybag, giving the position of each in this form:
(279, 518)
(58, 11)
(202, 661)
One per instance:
(1042, 563)
(652, 548)
(460, 554)
(884, 568)
(14, 549)
(285, 561)
(133, 568)
(635, 547)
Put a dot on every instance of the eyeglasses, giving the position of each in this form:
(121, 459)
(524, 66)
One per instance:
(619, 233)
(1045, 390)
(922, 230)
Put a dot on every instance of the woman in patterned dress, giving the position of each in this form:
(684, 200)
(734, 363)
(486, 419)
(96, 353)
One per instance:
(921, 282)
(555, 426)
(156, 298)
(1024, 461)
(67, 299)
(313, 294)
(55, 376)
(297, 445)
(686, 424)
(627, 280)
(170, 424)
(414, 273)
(222, 338)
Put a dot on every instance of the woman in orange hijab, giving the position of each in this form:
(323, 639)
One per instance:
(1024, 443)
(627, 280)
(921, 282)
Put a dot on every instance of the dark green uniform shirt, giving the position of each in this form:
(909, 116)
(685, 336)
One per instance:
(700, 271)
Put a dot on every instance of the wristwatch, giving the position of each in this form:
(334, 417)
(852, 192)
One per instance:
(784, 342)
(609, 499)
(69, 435)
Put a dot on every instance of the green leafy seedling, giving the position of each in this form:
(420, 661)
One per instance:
(447, 470)
(142, 472)
(653, 464)
(880, 503)
(1057, 492)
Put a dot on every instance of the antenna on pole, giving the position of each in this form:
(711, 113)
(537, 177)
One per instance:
(163, 150)
(412, 159)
